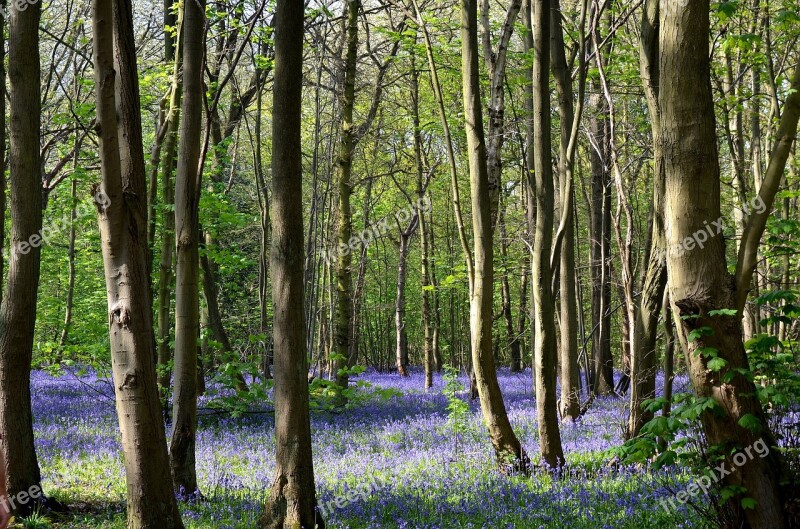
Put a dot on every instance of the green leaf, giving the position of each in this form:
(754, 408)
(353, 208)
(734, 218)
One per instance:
(723, 312)
(699, 333)
(748, 503)
(715, 364)
(750, 422)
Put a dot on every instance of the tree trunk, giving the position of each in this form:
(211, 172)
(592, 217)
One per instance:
(522, 314)
(600, 247)
(669, 354)
(187, 233)
(344, 166)
(564, 249)
(699, 281)
(508, 450)
(170, 151)
(71, 255)
(401, 340)
(122, 216)
(496, 108)
(292, 500)
(530, 162)
(543, 302)
(213, 314)
(18, 309)
(644, 360)
(512, 337)
(429, 354)
(3, 137)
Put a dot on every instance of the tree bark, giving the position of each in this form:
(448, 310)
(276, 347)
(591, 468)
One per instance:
(3, 139)
(699, 281)
(508, 450)
(170, 151)
(600, 247)
(496, 108)
(543, 301)
(18, 309)
(292, 500)
(401, 339)
(73, 217)
(429, 354)
(564, 247)
(344, 165)
(644, 362)
(187, 272)
(122, 216)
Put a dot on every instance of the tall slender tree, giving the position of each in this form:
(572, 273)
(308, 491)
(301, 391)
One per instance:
(292, 499)
(643, 361)
(18, 310)
(122, 216)
(543, 301)
(187, 234)
(170, 150)
(507, 447)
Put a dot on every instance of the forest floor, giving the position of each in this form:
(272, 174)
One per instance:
(390, 462)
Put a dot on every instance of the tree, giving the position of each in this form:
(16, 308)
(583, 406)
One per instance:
(705, 298)
(507, 447)
(351, 135)
(292, 499)
(643, 361)
(187, 233)
(401, 338)
(564, 245)
(18, 310)
(170, 150)
(122, 216)
(541, 285)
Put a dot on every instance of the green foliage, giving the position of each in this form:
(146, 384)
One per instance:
(457, 409)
